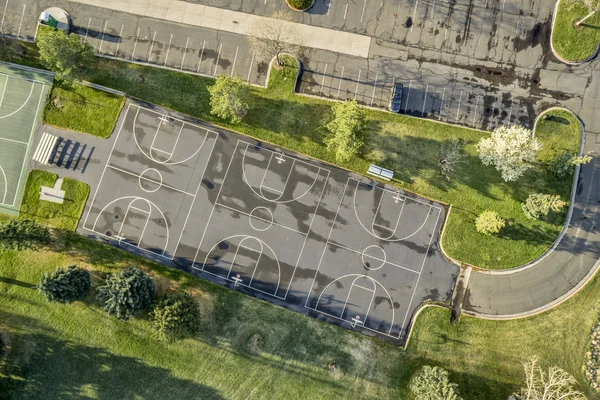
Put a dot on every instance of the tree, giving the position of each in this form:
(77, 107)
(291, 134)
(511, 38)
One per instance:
(489, 222)
(556, 384)
(126, 292)
(67, 55)
(433, 383)
(178, 315)
(566, 162)
(539, 205)
(451, 156)
(65, 285)
(347, 137)
(229, 98)
(272, 37)
(510, 150)
(21, 234)
(592, 6)
(10, 47)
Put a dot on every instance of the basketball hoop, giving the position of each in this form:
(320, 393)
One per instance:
(236, 279)
(397, 198)
(164, 119)
(280, 159)
(356, 321)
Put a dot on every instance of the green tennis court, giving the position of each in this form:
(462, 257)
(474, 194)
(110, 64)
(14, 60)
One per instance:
(22, 96)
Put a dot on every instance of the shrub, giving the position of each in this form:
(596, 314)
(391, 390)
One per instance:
(565, 163)
(126, 292)
(347, 137)
(539, 205)
(433, 383)
(176, 316)
(489, 222)
(65, 284)
(21, 234)
(300, 4)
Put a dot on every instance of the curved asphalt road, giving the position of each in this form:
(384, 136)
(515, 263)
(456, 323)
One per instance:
(513, 294)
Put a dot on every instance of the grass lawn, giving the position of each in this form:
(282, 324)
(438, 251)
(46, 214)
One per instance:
(575, 44)
(77, 351)
(409, 146)
(61, 216)
(83, 109)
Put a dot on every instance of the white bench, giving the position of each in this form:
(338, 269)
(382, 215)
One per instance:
(45, 148)
(380, 172)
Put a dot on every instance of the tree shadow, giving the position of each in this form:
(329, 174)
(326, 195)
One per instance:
(534, 235)
(10, 281)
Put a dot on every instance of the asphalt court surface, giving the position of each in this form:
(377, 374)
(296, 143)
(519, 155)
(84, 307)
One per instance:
(21, 102)
(275, 225)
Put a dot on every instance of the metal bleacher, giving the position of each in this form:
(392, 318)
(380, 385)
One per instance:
(43, 153)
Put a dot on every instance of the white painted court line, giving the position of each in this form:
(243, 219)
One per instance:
(375, 258)
(340, 85)
(151, 47)
(24, 103)
(149, 180)
(168, 49)
(5, 186)
(459, 101)
(187, 42)
(119, 41)
(4, 90)
(218, 58)
(357, 82)
(374, 87)
(323, 80)
(21, 22)
(103, 33)
(250, 69)
(201, 54)
(260, 219)
(407, 96)
(234, 60)
(3, 14)
(135, 43)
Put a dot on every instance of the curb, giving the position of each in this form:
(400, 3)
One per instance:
(555, 53)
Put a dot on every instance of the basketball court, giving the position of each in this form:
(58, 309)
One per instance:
(22, 96)
(275, 225)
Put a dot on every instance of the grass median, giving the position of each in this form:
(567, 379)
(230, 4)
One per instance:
(62, 216)
(575, 43)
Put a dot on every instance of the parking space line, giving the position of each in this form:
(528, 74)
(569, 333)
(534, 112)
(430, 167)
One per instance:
(346, 12)
(103, 34)
(442, 104)
(187, 42)
(151, 46)
(3, 14)
(250, 69)
(475, 112)
(425, 99)
(512, 103)
(218, 58)
(363, 11)
(329, 7)
(407, 96)
(340, 86)
(168, 48)
(323, 80)
(234, 59)
(517, 30)
(459, 101)
(21, 23)
(201, 54)
(87, 30)
(120, 39)
(374, 87)
(135, 43)
(357, 82)
(432, 7)
(414, 15)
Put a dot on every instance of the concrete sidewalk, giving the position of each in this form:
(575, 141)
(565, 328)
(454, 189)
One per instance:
(235, 22)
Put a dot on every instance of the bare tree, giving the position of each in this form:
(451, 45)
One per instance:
(593, 6)
(451, 156)
(9, 45)
(271, 37)
(556, 384)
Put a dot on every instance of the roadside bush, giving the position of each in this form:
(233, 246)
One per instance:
(22, 234)
(433, 383)
(489, 222)
(175, 317)
(126, 292)
(539, 205)
(565, 163)
(65, 285)
(299, 4)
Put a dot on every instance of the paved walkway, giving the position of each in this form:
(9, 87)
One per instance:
(235, 22)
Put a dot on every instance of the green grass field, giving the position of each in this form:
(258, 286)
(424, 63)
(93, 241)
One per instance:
(61, 216)
(77, 351)
(575, 44)
(83, 109)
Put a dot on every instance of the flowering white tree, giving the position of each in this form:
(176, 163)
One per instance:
(556, 384)
(510, 149)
